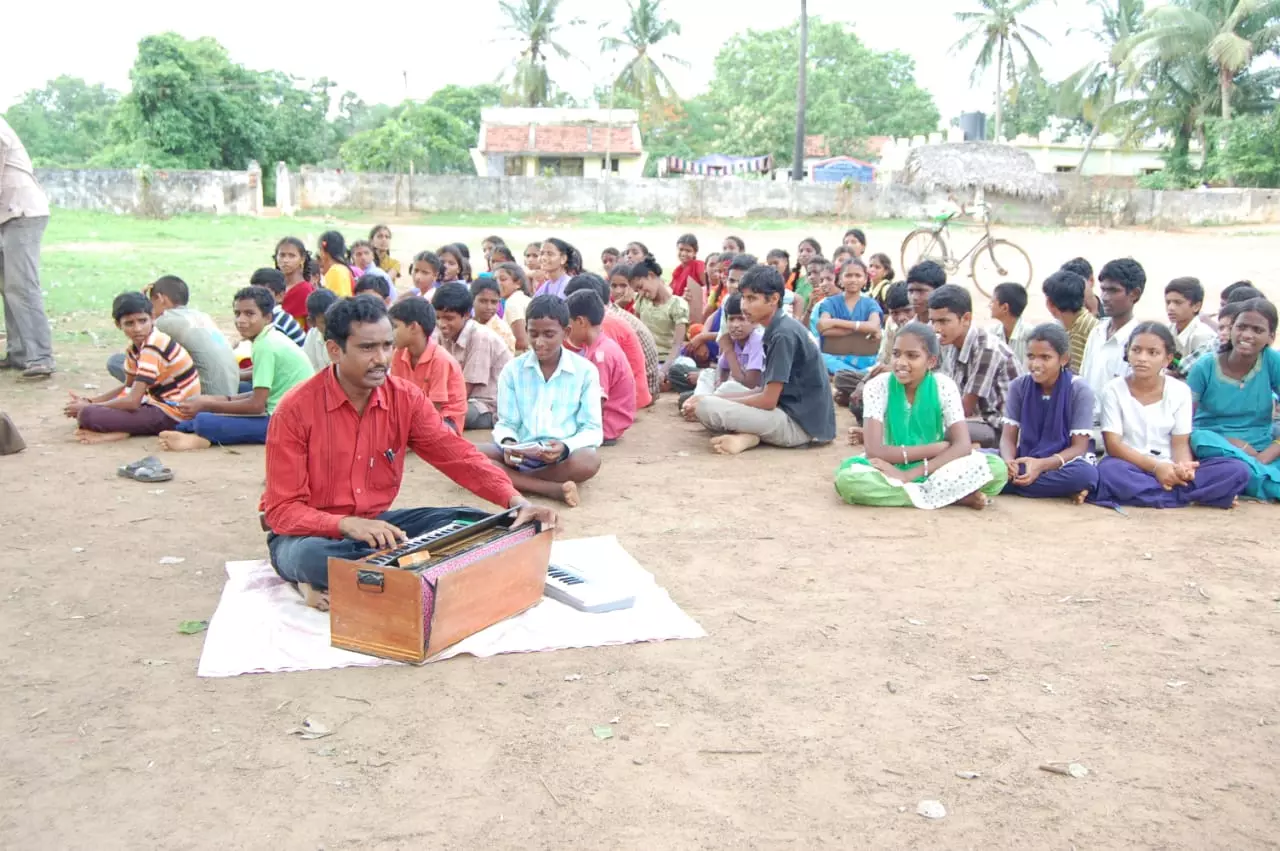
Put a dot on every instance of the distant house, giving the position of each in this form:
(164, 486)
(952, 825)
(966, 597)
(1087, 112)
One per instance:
(817, 153)
(536, 142)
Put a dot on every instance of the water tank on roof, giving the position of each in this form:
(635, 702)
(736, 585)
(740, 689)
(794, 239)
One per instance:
(974, 125)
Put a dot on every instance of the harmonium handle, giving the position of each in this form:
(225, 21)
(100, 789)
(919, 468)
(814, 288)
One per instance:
(371, 581)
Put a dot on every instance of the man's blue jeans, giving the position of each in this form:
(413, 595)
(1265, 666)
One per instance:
(299, 559)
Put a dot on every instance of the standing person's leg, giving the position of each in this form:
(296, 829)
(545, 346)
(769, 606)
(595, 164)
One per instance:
(1219, 481)
(24, 303)
(742, 427)
(206, 429)
(100, 424)
(115, 367)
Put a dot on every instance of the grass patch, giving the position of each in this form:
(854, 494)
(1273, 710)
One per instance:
(88, 258)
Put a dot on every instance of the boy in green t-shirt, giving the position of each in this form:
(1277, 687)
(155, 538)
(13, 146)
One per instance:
(278, 365)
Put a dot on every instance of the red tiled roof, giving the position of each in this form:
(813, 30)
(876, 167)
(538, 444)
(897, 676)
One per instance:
(558, 139)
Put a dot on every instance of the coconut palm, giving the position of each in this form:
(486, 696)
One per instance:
(533, 23)
(1094, 90)
(642, 78)
(1228, 34)
(1004, 39)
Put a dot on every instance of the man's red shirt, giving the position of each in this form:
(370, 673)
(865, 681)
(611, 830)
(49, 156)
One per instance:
(326, 462)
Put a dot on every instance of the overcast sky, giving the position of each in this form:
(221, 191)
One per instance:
(437, 42)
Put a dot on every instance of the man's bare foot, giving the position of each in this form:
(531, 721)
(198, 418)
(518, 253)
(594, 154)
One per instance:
(314, 597)
(976, 500)
(177, 441)
(733, 444)
(855, 435)
(89, 438)
(569, 493)
(1079, 498)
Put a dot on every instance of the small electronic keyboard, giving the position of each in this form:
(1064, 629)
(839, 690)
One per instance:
(568, 585)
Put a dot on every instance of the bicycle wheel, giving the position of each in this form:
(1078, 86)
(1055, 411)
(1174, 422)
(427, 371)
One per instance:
(923, 244)
(999, 262)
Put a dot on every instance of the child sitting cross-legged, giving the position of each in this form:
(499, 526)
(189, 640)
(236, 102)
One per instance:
(741, 355)
(159, 375)
(918, 451)
(1183, 301)
(313, 347)
(278, 366)
(793, 407)
(1048, 421)
(480, 352)
(617, 383)
(273, 280)
(1146, 423)
(486, 297)
(549, 424)
(423, 363)
(377, 286)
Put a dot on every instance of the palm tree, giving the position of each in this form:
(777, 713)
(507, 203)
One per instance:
(802, 95)
(1003, 36)
(1094, 90)
(1226, 33)
(533, 23)
(641, 77)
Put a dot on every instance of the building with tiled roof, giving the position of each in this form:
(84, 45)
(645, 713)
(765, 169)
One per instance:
(552, 142)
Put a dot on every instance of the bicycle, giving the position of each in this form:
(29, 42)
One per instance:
(1008, 261)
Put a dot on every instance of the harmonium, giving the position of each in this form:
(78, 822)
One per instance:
(433, 590)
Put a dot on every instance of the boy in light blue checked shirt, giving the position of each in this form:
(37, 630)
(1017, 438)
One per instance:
(549, 423)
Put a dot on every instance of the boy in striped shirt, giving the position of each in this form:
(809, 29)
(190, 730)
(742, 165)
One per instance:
(159, 376)
(273, 280)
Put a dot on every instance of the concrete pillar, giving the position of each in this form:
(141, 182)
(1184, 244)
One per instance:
(284, 190)
(255, 186)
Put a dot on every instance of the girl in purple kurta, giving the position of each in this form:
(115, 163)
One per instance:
(1048, 420)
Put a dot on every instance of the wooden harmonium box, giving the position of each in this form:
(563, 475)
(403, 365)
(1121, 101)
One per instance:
(430, 592)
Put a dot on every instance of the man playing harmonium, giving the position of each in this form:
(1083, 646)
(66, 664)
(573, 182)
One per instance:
(335, 456)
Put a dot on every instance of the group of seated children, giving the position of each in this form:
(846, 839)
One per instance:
(1167, 443)
(949, 411)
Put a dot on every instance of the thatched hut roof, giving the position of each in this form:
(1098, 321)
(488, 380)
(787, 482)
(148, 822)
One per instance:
(998, 169)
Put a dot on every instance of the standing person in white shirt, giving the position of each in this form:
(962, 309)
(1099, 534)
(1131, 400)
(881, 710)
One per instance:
(24, 213)
(1121, 283)
(1146, 425)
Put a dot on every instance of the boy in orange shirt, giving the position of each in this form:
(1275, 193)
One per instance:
(422, 363)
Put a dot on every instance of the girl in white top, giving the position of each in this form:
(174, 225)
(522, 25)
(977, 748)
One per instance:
(1146, 427)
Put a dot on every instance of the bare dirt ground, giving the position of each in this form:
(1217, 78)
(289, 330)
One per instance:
(840, 668)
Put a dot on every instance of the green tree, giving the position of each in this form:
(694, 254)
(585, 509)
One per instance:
(190, 107)
(1095, 89)
(433, 140)
(1228, 34)
(65, 123)
(852, 92)
(1250, 150)
(642, 78)
(1003, 38)
(298, 131)
(533, 23)
(465, 102)
(1029, 105)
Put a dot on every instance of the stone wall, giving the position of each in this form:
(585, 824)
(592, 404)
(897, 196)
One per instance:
(155, 192)
(1098, 202)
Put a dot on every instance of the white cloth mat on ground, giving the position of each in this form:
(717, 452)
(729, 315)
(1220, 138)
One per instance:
(262, 626)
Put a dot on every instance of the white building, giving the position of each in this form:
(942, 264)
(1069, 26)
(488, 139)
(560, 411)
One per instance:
(536, 142)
